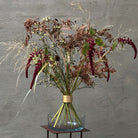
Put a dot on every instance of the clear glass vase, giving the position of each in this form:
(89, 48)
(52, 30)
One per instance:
(66, 119)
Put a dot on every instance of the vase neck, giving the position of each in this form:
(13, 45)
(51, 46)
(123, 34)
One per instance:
(67, 99)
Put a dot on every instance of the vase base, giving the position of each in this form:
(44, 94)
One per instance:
(66, 129)
(66, 119)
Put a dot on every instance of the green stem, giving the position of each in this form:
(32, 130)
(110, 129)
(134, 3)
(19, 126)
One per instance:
(58, 115)
(76, 116)
(59, 85)
(68, 113)
(75, 87)
(62, 115)
(64, 79)
(67, 78)
(77, 75)
(65, 117)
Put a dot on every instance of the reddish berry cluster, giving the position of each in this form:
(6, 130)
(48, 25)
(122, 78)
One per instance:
(127, 40)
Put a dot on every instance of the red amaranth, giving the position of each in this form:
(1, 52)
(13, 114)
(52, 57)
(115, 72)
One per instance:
(27, 65)
(127, 40)
(30, 59)
(108, 71)
(106, 65)
(91, 53)
(38, 65)
(37, 68)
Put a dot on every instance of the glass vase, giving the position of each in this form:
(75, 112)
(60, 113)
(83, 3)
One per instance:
(66, 118)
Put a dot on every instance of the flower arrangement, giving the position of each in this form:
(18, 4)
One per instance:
(69, 57)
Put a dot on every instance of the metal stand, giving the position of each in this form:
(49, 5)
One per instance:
(59, 132)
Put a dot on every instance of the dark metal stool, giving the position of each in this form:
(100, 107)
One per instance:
(59, 132)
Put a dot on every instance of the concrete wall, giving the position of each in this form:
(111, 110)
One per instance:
(111, 109)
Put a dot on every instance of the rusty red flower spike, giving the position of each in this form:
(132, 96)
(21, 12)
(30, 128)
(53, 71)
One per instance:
(37, 68)
(30, 59)
(127, 40)
(108, 71)
(28, 63)
(91, 53)
(91, 62)
(27, 66)
(106, 65)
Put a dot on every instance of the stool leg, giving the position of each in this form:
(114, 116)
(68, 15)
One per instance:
(57, 135)
(70, 135)
(80, 134)
(47, 133)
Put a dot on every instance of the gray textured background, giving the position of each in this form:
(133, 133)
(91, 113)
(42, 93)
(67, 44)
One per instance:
(111, 109)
